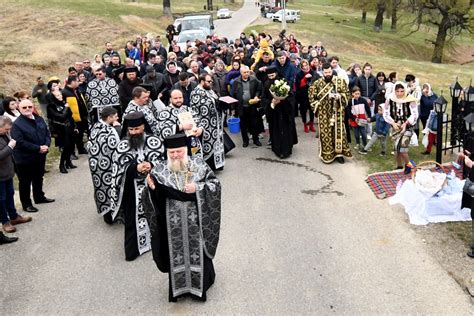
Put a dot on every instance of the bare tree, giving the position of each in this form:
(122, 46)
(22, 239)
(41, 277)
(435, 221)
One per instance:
(378, 23)
(449, 17)
(395, 5)
(167, 8)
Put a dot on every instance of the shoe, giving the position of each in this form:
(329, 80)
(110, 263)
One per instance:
(30, 209)
(62, 169)
(425, 153)
(6, 240)
(340, 160)
(311, 127)
(356, 147)
(470, 254)
(21, 220)
(363, 152)
(8, 228)
(306, 128)
(45, 200)
(245, 144)
(257, 143)
(69, 165)
(74, 157)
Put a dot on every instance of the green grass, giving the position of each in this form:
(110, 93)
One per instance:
(377, 163)
(113, 9)
(461, 231)
(342, 34)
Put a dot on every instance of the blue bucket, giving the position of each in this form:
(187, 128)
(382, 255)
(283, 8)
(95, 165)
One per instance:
(234, 125)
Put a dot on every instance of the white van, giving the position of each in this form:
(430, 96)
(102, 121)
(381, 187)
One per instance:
(291, 16)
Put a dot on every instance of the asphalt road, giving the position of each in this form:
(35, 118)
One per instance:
(298, 237)
(231, 28)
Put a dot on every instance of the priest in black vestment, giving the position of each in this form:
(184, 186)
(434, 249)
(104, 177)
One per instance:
(183, 205)
(133, 158)
(281, 118)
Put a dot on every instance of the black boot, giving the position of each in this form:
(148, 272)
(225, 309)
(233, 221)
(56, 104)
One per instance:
(69, 165)
(62, 168)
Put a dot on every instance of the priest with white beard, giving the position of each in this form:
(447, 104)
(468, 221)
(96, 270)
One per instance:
(183, 205)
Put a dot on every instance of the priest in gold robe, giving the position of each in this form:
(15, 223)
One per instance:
(328, 97)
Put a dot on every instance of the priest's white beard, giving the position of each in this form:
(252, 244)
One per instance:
(178, 165)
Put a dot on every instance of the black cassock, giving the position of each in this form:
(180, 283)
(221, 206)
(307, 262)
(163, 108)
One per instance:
(126, 192)
(184, 228)
(283, 129)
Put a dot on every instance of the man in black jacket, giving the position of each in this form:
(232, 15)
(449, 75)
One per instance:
(32, 145)
(186, 86)
(247, 90)
(125, 89)
(261, 67)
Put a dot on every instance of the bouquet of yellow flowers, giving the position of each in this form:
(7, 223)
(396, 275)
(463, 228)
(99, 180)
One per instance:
(280, 89)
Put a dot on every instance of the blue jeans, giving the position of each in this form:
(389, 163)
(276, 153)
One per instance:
(359, 132)
(7, 203)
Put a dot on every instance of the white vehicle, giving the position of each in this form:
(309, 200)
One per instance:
(202, 22)
(224, 14)
(291, 16)
(191, 35)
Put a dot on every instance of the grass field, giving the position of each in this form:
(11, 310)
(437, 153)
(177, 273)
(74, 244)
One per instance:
(342, 34)
(42, 38)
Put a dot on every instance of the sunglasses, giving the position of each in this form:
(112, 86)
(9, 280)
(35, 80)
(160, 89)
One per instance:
(26, 107)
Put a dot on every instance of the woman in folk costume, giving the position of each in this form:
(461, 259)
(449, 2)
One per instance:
(401, 112)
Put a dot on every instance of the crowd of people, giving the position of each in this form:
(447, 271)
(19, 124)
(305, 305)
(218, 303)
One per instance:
(153, 120)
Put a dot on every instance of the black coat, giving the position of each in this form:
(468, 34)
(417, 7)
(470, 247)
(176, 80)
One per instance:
(29, 134)
(302, 91)
(368, 86)
(237, 91)
(125, 92)
(158, 84)
(61, 123)
(186, 91)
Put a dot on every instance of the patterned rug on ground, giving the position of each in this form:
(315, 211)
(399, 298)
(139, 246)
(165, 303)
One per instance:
(384, 184)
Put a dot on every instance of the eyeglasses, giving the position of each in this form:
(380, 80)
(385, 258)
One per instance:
(26, 107)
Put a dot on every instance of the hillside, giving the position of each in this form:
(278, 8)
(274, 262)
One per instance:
(45, 37)
(342, 34)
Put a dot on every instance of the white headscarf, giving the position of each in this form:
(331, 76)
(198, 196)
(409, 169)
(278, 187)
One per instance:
(406, 98)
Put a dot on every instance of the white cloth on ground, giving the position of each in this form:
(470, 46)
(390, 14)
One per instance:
(423, 209)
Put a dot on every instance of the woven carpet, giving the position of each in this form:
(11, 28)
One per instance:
(384, 184)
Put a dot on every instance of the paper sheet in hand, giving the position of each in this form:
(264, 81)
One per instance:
(187, 117)
(228, 100)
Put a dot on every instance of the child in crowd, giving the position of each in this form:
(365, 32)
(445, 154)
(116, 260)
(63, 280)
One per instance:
(358, 112)
(381, 131)
(431, 130)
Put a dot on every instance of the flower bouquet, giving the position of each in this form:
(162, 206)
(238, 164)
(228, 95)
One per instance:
(280, 89)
